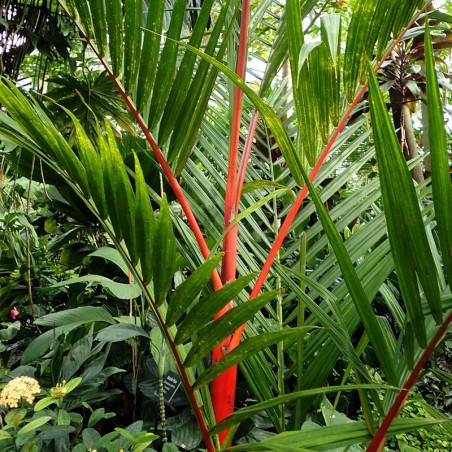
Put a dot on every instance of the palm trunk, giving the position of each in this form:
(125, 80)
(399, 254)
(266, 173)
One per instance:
(402, 121)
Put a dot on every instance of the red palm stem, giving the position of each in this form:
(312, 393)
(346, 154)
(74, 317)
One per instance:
(223, 387)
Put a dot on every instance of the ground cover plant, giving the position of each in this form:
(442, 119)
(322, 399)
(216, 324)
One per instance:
(206, 255)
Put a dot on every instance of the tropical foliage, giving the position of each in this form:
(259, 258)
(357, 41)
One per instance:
(248, 245)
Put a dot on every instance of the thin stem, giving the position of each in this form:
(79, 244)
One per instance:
(223, 387)
(228, 270)
(379, 439)
(169, 340)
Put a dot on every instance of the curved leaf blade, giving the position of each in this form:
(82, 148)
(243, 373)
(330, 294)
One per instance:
(248, 348)
(186, 292)
(212, 334)
(209, 306)
(441, 186)
(409, 244)
(164, 253)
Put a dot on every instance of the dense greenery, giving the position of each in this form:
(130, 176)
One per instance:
(126, 228)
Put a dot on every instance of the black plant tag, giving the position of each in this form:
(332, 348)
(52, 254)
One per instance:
(171, 383)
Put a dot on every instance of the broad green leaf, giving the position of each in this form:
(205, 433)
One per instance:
(84, 314)
(356, 51)
(331, 34)
(213, 333)
(98, 415)
(409, 244)
(93, 165)
(56, 431)
(304, 104)
(44, 403)
(120, 332)
(316, 79)
(164, 253)
(41, 344)
(247, 348)
(124, 196)
(322, 83)
(207, 307)
(441, 186)
(33, 425)
(372, 22)
(72, 384)
(119, 290)
(4, 435)
(112, 255)
(78, 354)
(187, 292)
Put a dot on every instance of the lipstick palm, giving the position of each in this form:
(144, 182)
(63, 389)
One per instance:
(168, 86)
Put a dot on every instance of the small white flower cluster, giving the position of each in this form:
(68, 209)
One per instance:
(21, 387)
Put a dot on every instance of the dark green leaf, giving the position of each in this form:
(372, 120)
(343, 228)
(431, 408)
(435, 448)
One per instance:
(119, 290)
(120, 332)
(187, 292)
(207, 307)
(248, 347)
(441, 186)
(409, 244)
(144, 223)
(164, 253)
(84, 314)
(214, 333)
